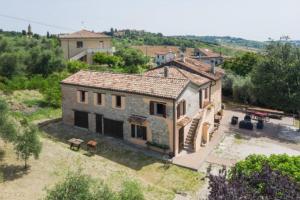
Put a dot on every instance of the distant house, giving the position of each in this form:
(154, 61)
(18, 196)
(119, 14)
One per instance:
(170, 108)
(83, 44)
(164, 57)
(208, 56)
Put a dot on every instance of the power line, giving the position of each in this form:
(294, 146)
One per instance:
(36, 22)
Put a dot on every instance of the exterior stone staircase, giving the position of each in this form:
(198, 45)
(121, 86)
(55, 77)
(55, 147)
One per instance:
(189, 141)
(79, 55)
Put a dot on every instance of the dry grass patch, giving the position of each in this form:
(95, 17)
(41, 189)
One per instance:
(158, 180)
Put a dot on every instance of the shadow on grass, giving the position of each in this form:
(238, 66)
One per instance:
(2, 154)
(113, 149)
(12, 172)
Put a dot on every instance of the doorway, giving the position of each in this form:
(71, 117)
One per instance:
(181, 139)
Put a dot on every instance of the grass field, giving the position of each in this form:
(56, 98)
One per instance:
(30, 105)
(112, 163)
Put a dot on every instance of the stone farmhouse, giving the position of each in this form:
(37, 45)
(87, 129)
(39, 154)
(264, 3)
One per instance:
(81, 45)
(169, 108)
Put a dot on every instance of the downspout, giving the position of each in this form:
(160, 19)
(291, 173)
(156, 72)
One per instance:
(174, 126)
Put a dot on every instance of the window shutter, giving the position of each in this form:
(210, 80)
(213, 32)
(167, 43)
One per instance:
(184, 107)
(178, 111)
(164, 111)
(151, 108)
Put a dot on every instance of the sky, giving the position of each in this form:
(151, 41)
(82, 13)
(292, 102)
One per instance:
(250, 19)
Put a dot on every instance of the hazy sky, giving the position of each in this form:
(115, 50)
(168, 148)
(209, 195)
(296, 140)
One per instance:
(251, 19)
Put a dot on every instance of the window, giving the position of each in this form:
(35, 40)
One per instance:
(181, 109)
(79, 44)
(157, 108)
(101, 44)
(99, 98)
(118, 101)
(82, 96)
(139, 132)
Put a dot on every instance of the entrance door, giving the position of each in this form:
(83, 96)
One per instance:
(113, 128)
(99, 121)
(81, 119)
(181, 138)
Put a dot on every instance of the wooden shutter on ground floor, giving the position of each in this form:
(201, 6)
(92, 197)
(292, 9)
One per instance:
(184, 107)
(151, 108)
(164, 110)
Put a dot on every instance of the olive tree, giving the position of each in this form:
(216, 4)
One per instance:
(28, 144)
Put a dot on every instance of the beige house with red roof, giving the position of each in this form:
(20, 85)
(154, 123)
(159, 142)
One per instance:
(208, 56)
(81, 45)
(162, 57)
(169, 109)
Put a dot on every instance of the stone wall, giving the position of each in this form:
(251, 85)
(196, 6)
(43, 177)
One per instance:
(159, 129)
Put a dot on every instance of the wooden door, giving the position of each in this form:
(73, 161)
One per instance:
(113, 128)
(99, 121)
(181, 138)
(81, 119)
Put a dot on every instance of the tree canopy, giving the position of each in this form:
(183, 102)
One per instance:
(276, 78)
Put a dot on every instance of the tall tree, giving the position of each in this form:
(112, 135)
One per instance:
(242, 65)
(277, 78)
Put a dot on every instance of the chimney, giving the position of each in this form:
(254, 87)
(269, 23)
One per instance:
(182, 57)
(213, 67)
(166, 72)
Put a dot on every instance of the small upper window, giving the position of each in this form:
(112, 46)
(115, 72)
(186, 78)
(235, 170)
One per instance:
(157, 108)
(181, 109)
(99, 98)
(82, 96)
(79, 44)
(118, 101)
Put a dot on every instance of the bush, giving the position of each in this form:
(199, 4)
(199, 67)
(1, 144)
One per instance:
(77, 186)
(265, 183)
(289, 165)
(75, 66)
(131, 191)
(106, 59)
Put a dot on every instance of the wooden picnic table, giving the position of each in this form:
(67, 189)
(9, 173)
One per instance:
(92, 144)
(74, 142)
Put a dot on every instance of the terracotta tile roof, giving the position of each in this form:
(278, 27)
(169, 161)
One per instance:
(138, 84)
(196, 67)
(84, 34)
(152, 50)
(175, 72)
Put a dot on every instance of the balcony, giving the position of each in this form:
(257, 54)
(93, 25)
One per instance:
(103, 50)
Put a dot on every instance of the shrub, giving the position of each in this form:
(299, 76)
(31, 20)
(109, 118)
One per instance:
(266, 183)
(131, 191)
(289, 165)
(78, 186)
(75, 186)
(75, 66)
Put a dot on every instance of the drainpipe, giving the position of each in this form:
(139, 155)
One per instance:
(174, 127)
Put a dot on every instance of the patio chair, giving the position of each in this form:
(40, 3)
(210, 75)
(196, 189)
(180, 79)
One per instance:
(245, 124)
(247, 118)
(234, 120)
(260, 124)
